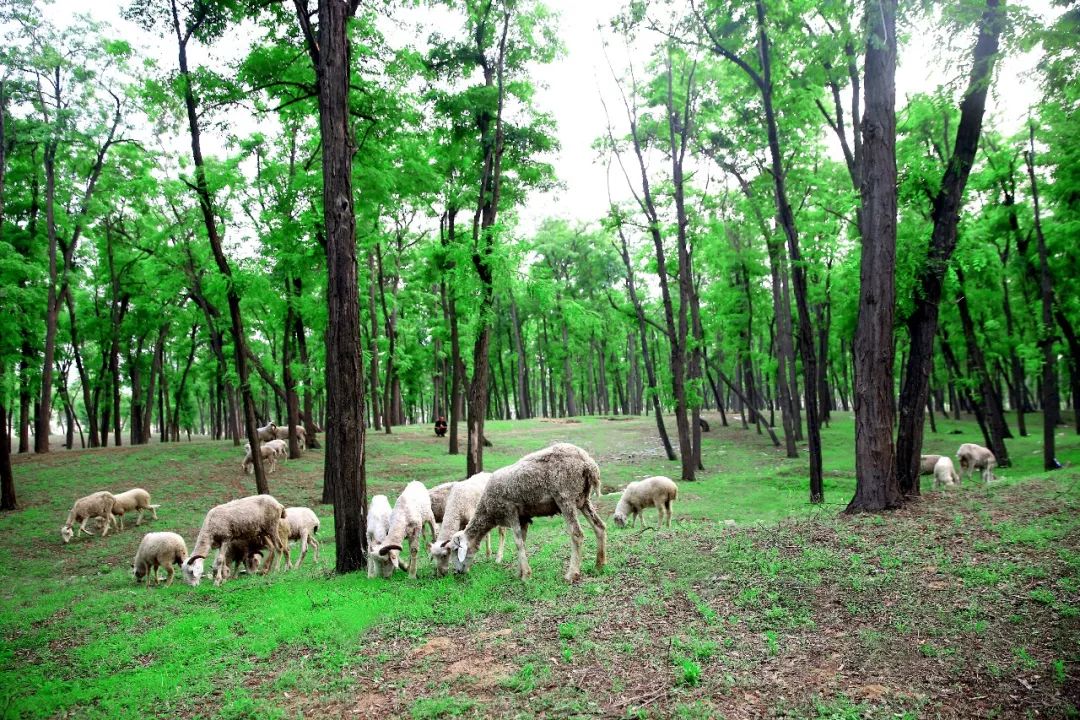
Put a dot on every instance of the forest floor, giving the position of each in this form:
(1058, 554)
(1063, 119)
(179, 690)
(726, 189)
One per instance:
(755, 604)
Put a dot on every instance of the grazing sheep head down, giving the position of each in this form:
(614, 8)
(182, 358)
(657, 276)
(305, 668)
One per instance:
(620, 518)
(66, 533)
(391, 558)
(193, 570)
(463, 555)
(440, 555)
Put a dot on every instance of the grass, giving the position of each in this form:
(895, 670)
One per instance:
(793, 611)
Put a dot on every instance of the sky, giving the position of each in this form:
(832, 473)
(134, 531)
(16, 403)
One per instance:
(571, 88)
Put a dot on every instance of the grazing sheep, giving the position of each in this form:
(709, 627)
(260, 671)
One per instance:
(303, 524)
(134, 499)
(412, 512)
(558, 479)
(282, 433)
(280, 447)
(238, 553)
(97, 505)
(378, 525)
(267, 433)
(945, 473)
(658, 492)
(927, 463)
(460, 508)
(268, 453)
(975, 457)
(439, 494)
(251, 518)
(158, 550)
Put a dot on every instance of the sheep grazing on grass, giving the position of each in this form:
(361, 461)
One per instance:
(378, 525)
(658, 492)
(260, 555)
(412, 512)
(269, 454)
(303, 524)
(98, 505)
(282, 433)
(975, 457)
(945, 473)
(460, 508)
(130, 501)
(280, 448)
(438, 495)
(252, 518)
(158, 550)
(558, 479)
(927, 463)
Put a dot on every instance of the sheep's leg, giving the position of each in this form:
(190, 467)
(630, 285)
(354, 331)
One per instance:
(82, 528)
(105, 528)
(502, 544)
(601, 533)
(487, 544)
(170, 572)
(576, 537)
(520, 530)
(153, 512)
(413, 543)
(314, 544)
(138, 520)
(370, 564)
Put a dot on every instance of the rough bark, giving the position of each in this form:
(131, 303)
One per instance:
(7, 479)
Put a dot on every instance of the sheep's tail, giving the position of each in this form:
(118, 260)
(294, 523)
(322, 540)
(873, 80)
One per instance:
(592, 479)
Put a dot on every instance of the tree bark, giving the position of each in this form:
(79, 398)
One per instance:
(7, 478)
(524, 404)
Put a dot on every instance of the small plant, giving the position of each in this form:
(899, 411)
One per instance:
(689, 672)
(772, 642)
(1024, 660)
(1042, 596)
(1057, 671)
(439, 707)
(569, 631)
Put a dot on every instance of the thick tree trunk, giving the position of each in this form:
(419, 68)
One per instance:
(923, 321)
(43, 414)
(7, 478)
(89, 397)
(1073, 341)
(876, 486)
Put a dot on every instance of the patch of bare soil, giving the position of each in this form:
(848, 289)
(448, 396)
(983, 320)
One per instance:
(560, 421)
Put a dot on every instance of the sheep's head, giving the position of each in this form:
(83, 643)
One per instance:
(136, 574)
(461, 552)
(440, 555)
(619, 518)
(66, 533)
(390, 557)
(193, 570)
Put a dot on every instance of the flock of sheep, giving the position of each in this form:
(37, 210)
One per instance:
(253, 532)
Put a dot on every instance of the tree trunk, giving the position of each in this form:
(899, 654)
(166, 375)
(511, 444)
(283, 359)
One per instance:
(524, 404)
(7, 478)
(292, 403)
(876, 486)
(1073, 342)
(43, 415)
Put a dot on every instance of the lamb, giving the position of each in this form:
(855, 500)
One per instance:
(945, 473)
(658, 492)
(460, 508)
(268, 453)
(927, 463)
(97, 505)
(303, 524)
(251, 518)
(253, 554)
(158, 550)
(412, 512)
(439, 495)
(558, 479)
(378, 525)
(975, 457)
(134, 499)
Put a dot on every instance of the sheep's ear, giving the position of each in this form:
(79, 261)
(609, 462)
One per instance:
(387, 548)
(446, 543)
(463, 551)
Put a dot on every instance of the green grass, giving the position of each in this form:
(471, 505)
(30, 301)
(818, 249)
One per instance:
(78, 636)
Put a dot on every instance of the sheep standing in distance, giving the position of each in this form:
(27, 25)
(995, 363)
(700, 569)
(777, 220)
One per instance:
(251, 518)
(945, 473)
(927, 463)
(303, 524)
(378, 525)
(280, 448)
(657, 491)
(557, 479)
(158, 550)
(269, 456)
(975, 457)
(439, 495)
(460, 508)
(97, 505)
(412, 512)
(267, 433)
(133, 499)
(282, 433)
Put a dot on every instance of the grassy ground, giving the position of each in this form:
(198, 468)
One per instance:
(964, 604)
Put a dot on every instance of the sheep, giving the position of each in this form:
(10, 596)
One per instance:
(249, 518)
(975, 457)
(282, 433)
(158, 550)
(303, 524)
(254, 554)
(945, 473)
(280, 447)
(266, 451)
(412, 512)
(558, 479)
(378, 525)
(267, 433)
(460, 508)
(658, 492)
(97, 505)
(927, 463)
(134, 499)
(439, 494)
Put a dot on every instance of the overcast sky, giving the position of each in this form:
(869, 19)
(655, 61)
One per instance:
(570, 88)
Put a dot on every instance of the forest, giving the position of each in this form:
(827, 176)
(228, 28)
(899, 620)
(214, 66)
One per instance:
(822, 237)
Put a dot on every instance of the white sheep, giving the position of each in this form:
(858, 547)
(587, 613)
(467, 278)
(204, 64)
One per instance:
(303, 524)
(657, 491)
(267, 432)
(282, 433)
(975, 457)
(460, 508)
(251, 518)
(558, 479)
(412, 513)
(131, 500)
(438, 495)
(96, 505)
(269, 456)
(927, 463)
(378, 525)
(945, 473)
(158, 550)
